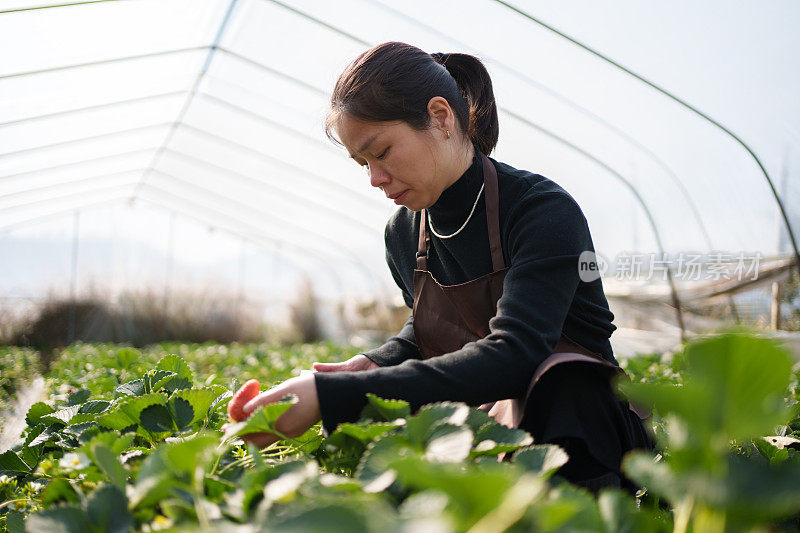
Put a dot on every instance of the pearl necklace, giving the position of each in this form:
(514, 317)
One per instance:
(464, 225)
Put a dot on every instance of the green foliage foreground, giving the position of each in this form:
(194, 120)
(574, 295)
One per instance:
(129, 443)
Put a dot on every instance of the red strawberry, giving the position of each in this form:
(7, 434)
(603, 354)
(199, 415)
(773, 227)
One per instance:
(247, 392)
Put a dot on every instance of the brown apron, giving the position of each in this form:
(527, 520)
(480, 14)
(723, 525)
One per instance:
(446, 317)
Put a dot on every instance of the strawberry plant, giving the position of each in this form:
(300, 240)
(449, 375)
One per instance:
(133, 440)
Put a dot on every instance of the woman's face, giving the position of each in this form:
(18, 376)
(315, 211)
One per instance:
(411, 167)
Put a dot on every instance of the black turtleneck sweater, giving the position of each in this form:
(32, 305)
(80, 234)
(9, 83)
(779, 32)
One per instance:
(543, 232)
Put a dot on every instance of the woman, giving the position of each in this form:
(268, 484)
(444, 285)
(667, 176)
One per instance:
(486, 256)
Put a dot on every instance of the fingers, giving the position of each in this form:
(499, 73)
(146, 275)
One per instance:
(328, 367)
(265, 398)
(260, 440)
(355, 364)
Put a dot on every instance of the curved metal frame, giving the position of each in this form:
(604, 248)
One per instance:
(356, 222)
(214, 47)
(683, 103)
(625, 136)
(63, 197)
(56, 186)
(75, 163)
(37, 8)
(253, 232)
(673, 290)
(124, 196)
(241, 207)
(84, 139)
(189, 97)
(356, 39)
(5, 229)
(105, 61)
(91, 107)
(365, 200)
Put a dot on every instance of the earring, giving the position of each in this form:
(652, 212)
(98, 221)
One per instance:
(448, 133)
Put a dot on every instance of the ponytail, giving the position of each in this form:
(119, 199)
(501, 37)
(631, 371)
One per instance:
(395, 81)
(475, 86)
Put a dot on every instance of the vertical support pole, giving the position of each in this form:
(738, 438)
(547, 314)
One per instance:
(783, 237)
(676, 304)
(734, 310)
(169, 265)
(782, 244)
(775, 308)
(73, 282)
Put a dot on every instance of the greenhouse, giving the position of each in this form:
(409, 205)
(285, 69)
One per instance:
(174, 221)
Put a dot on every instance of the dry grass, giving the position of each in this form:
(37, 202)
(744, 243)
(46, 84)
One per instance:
(139, 319)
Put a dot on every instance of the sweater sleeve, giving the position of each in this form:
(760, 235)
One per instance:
(546, 234)
(396, 349)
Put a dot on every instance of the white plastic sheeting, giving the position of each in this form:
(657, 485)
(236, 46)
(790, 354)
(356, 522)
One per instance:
(213, 111)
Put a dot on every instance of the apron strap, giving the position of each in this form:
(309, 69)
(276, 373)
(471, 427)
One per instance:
(424, 242)
(492, 213)
(492, 199)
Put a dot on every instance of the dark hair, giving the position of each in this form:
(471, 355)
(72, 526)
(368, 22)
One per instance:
(395, 81)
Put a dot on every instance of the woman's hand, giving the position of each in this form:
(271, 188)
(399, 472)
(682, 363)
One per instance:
(354, 364)
(297, 419)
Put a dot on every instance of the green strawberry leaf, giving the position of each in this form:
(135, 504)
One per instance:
(493, 439)
(36, 412)
(383, 410)
(262, 420)
(65, 518)
(365, 432)
(176, 364)
(105, 458)
(181, 411)
(62, 416)
(542, 459)
(59, 491)
(199, 399)
(449, 444)
(421, 426)
(126, 413)
(107, 508)
(156, 419)
(78, 397)
(125, 357)
(131, 388)
(94, 407)
(156, 379)
(11, 464)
